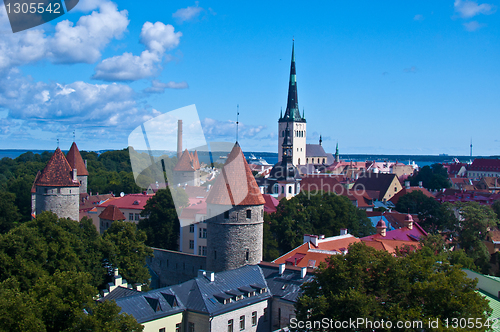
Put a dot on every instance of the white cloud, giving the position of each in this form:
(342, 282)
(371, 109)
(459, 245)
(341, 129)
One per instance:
(159, 87)
(158, 38)
(418, 17)
(84, 41)
(473, 25)
(187, 14)
(467, 9)
(226, 130)
(80, 43)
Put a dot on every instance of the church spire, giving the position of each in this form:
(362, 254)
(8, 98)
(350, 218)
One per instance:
(292, 112)
(287, 146)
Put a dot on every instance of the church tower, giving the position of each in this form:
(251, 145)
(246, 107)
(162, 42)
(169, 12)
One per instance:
(292, 118)
(235, 217)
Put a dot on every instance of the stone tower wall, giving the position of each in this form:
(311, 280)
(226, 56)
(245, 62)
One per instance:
(63, 201)
(83, 183)
(236, 241)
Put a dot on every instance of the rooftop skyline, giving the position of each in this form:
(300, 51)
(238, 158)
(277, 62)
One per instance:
(378, 78)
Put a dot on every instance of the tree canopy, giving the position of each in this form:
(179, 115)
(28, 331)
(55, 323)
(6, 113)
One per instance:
(51, 268)
(374, 285)
(433, 177)
(162, 223)
(311, 214)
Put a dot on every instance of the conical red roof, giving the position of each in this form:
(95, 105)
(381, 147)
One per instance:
(112, 212)
(236, 184)
(187, 162)
(57, 173)
(75, 160)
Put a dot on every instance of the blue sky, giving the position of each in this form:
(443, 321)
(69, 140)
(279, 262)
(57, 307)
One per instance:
(392, 77)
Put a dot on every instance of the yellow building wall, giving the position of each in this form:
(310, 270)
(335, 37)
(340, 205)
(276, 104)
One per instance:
(168, 323)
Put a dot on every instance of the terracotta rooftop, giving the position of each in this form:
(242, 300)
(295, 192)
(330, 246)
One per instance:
(88, 202)
(309, 255)
(75, 160)
(188, 162)
(57, 172)
(112, 212)
(400, 234)
(131, 201)
(235, 185)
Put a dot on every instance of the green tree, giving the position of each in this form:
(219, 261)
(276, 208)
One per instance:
(496, 207)
(105, 317)
(470, 229)
(125, 249)
(377, 286)
(162, 223)
(9, 214)
(433, 216)
(433, 177)
(314, 214)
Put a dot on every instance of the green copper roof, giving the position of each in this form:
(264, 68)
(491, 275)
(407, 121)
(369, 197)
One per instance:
(495, 306)
(292, 112)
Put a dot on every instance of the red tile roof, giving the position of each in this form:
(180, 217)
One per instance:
(485, 165)
(131, 201)
(188, 162)
(88, 202)
(191, 211)
(57, 172)
(75, 160)
(400, 234)
(271, 203)
(235, 185)
(112, 212)
(307, 255)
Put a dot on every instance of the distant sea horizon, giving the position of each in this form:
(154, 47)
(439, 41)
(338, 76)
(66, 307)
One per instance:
(272, 157)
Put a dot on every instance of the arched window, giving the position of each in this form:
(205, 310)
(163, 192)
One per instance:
(290, 189)
(298, 161)
(283, 189)
(276, 188)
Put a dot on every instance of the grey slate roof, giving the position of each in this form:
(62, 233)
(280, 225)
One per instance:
(285, 286)
(199, 294)
(120, 292)
(315, 150)
(150, 305)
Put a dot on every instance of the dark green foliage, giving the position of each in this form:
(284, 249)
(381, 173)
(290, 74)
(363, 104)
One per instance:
(9, 215)
(312, 214)
(470, 229)
(162, 223)
(496, 207)
(375, 285)
(433, 177)
(50, 269)
(125, 249)
(433, 216)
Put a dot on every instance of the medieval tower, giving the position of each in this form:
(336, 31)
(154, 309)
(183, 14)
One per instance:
(296, 123)
(76, 162)
(56, 188)
(235, 216)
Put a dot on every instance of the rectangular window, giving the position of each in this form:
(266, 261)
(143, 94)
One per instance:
(130, 216)
(249, 214)
(191, 244)
(204, 251)
(137, 216)
(226, 215)
(265, 315)
(191, 228)
(203, 233)
(230, 325)
(242, 323)
(254, 318)
(190, 327)
(161, 330)
(247, 255)
(178, 327)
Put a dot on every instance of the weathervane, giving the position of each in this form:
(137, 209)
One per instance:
(58, 142)
(73, 135)
(237, 116)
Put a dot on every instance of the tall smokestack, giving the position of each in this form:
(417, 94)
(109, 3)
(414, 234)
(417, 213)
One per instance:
(179, 139)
